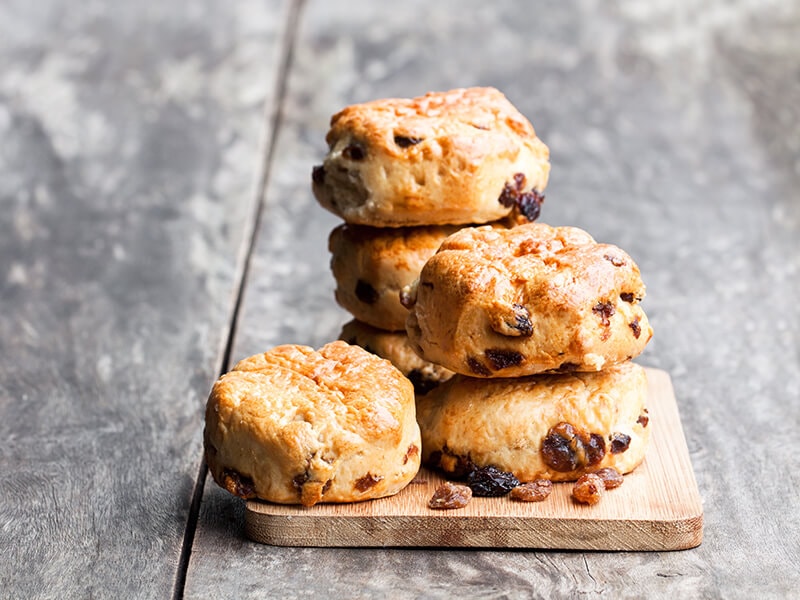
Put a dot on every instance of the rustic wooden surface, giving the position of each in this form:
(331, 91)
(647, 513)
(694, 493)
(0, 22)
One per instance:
(129, 167)
(658, 507)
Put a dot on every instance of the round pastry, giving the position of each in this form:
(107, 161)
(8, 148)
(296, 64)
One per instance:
(555, 427)
(521, 301)
(299, 426)
(394, 347)
(371, 265)
(463, 156)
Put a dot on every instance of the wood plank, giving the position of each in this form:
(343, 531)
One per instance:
(657, 508)
(129, 158)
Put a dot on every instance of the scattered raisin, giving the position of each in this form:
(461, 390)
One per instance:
(533, 491)
(565, 448)
(406, 141)
(366, 293)
(369, 480)
(318, 174)
(502, 359)
(238, 484)
(615, 260)
(610, 476)
(619, 443)
(477, 367)
(450, 495)
(643, 419)
(605, 310)
(588, 489)
(490, 481)
(635, 328)
(627, 297)
(354, 152)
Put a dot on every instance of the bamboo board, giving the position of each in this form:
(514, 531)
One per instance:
(657, 508)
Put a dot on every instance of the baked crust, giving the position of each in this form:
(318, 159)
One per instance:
(395, 347)
(442, 158)
(468, 422)
(300, 426)
(527, 300)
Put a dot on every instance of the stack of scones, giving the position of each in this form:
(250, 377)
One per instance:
(517, 336)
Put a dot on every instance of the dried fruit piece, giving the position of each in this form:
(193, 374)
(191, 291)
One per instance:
(566, 448)
(605, 310)
(477, 367)
(450, 495)
(528, 204)
(318, 174)
(366, 293)
(238, 484)
(406, 141)
(635, 328)
(354, 152)
(490, 481)
(366, 482)
(502, 359)
(614, 260)
(620, 442)
(533, 491)
(610, 476)
(627, 296)
(643, 419)
(588, 489)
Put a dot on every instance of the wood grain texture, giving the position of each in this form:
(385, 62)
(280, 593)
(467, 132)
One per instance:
(672, 129)
(657, 508)
(130, 148)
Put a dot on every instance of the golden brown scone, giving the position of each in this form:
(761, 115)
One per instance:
(555, 427)
(463, 156)
(299, 426)
(372, 265)
(527, 300)
(394, 347)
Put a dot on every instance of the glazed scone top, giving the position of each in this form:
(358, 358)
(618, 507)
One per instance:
(297, 425)
(535, 298)
(442, 158)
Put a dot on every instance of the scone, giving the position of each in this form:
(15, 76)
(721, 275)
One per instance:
(394, 347)
(372, 265)
(527, 300)
(555, 427)
(299, 426)
(457, 157)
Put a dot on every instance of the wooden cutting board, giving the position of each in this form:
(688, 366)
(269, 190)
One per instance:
(658, 507)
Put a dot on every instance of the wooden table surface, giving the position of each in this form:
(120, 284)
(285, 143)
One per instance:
(157, 224)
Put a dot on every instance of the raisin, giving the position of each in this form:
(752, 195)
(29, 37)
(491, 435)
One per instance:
(643, 419)
(522, 321)
(238, 484)
(502, 359)
(588, 489)
(369, 480)
(299, 480)
(627, 297)
(456, 465)
(490, 481)
(450, 495)
(366, 293)
(413, 450)
(406, 141)
(635, 328)
(568, 367)
(610, 476)
(530, 204)
(477, 367)
(327, 486)
(619, 443)
(615, 260)
(318, 174)
(354, 152)
(605, 310)
(565, 448)
(534, 491)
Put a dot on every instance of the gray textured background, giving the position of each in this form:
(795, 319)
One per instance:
(138, 146)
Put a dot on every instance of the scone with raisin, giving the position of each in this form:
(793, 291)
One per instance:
(555, 427)
(457, 157)
(394, 347)
(527, 300)
(300, 426)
